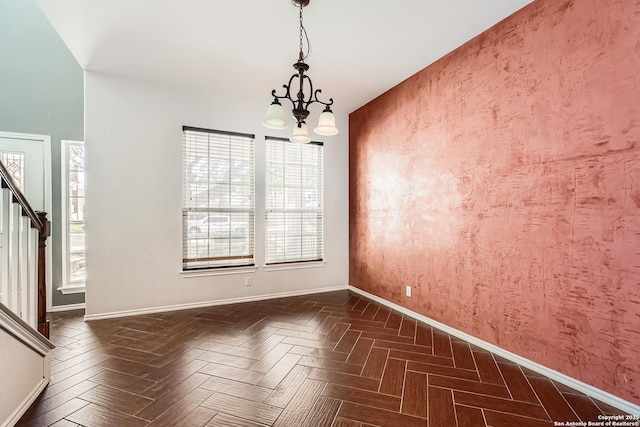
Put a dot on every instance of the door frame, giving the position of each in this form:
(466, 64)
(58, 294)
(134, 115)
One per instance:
(45, 140)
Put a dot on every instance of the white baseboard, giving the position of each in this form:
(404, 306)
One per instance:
(25, 405)
(575, 384)
(68, 307)
(137, 312)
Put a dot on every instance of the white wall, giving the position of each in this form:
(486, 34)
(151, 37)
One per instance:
(133, 137)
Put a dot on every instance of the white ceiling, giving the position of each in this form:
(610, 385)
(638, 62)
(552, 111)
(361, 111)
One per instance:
(360, 49)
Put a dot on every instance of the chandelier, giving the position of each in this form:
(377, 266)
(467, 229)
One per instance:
(275, 114)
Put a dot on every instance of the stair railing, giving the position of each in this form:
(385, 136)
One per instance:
(23, 237)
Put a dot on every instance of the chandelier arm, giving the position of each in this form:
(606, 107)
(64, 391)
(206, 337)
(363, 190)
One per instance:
(287, 94)
(315, 99)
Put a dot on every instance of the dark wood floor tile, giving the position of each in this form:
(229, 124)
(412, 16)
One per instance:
(334, 335)
(261, 349)
(443, 370)
(502, 419)
(387, 336)
(408, 327)
(414, 399)
(367, 326)
(344, 379)
(178, 375)
(382, 315)
(295, 413)
(608, 409)
(517, 383)
(122, 381)
(241, 408)
(424, 335)
(271, 358)
(170, 397)
(45, 404)
(128, 403)
(554, 403)
(348, 340)
(393, 377)
(470, 386)
(423, 358)
(56, 414)
(127, 366)
(360, 351)
(462, 356)
(319, 353)
(362, 397)
(379, 417)
(371, 310)
(288, 387)
(237, 388)
(55, 388)
(323, 412)
(300, 334)
(65, 423)
(308, 343)
(315, 362)
(583, 406)
(227, 359)
(98, 416)
(199, 417)
(266, 362)
(441, 344)
(233, 373)
(469, 417)
(393, 321)
(176, 413)
(441, 408)
(487, 368)
(498, 404)
(78, 363)
(217, 347)
(226, 420)
(327, 325)
(280, 370)
(343, 422)
(374, 366)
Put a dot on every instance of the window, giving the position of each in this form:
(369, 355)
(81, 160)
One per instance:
(73, 192)
(14, 163)
(218, 199)
(293, 226)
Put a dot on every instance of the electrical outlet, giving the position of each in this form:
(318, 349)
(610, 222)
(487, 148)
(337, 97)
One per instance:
(248, 281)
(408, 291)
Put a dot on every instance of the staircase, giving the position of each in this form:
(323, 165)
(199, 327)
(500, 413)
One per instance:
(25, 351)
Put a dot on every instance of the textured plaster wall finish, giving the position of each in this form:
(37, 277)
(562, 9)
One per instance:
(134, 197)
(503, 183)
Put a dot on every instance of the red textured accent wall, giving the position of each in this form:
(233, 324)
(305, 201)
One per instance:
(503, 184)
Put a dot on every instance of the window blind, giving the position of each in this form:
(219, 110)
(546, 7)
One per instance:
(294, 186)
(218, 216)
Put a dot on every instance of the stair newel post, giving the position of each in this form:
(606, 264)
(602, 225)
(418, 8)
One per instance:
(45, 232)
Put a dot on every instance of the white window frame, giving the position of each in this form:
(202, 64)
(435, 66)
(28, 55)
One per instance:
(272, 262)
(68, 287)
(225, 264)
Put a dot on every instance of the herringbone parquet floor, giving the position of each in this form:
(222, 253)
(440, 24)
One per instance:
(332, 359)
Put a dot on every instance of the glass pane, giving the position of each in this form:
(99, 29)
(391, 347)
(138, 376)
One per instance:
(14, 163)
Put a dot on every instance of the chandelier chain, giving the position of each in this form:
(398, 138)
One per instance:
(303, 36)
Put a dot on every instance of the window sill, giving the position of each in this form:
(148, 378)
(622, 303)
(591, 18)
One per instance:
(218, 272)
(294, 266)
(69, 289)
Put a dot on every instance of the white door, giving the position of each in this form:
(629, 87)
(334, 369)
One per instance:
(28, 159)
(24, 159)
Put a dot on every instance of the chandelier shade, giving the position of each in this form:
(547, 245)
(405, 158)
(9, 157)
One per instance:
(275, 117)
(300, 92)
